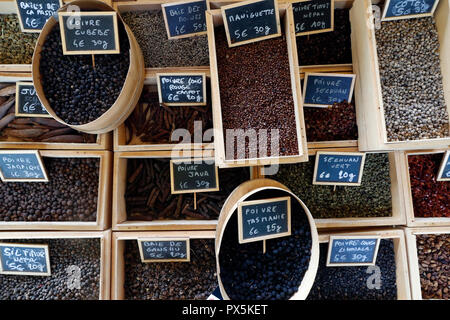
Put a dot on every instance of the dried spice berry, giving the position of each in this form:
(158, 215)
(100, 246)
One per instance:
(431, 198)
(196, 279)
(16, 47)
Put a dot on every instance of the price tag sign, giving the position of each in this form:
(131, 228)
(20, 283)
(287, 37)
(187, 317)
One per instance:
(345, 251)
(185, 19)
(264, 219)
(408, 9)
(24, 259)
(22, 166)
(339, 168)
(188, 176)
(251, 21)
(176, 89)
(164, 250)
(89, 32)
(444, 170)
(33, 14)
(27, 102)
(313, 16)
(324, 89)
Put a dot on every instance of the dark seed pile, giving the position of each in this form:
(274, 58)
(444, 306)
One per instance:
(152, 122)
(248, 274)
(70, 195)
(148, 195)
(76, 91)
(255, 93)
(411, 80)
(431, 198)
(371, 199)
(64, 253)
(196, 279)
(357, 283)
(150, 31)
(434, 255)
(328, 47)
(16, 47)
(331, 124)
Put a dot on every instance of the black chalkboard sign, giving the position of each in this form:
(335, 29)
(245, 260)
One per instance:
(407, 9)
(325, 89)
(185, 19)
(24, 259)
(164, 250)
(444, 170)
(188, 176)
(176, 89)
(89, 32)
(264, 219)
(33, 14)
(27, 101)
(313, 16)
(352, 250)
(251, 21)
(336, 168)
(22, 166)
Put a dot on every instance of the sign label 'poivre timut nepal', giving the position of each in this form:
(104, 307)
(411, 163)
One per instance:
(264, 219)
(185, 19)
(339, 168)
(324, 89)
(27, 101)
(89, 32)
(444, 169)
(24, 259)
(313, 16)
(352, 250)
(164, 250)
(251, 21)
(408, 9)
(189, 176)
(33, 14)
(175, 89)
(22, 166)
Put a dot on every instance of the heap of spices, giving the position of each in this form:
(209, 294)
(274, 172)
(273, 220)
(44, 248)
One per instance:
(331, 124)
(371, 199)
(70, 195)
(65, 254)
(77, 91)
(16, 47)
(194, 280)
(329, 47)
(357, 283)
(431, 198)
(152, 122)
(249, 274)
(256, 95)
(411, 80)
(148, 194)
(33, 129)
(434, 255)
(150, 31)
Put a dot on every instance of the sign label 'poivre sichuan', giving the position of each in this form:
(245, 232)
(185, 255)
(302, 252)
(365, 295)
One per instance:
(324, 89)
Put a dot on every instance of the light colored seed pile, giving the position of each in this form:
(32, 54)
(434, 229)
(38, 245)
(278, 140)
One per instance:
(411, 80)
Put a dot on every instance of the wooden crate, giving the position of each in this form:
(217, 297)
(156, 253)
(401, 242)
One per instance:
(120, 134)
(368, 94)
(413, 258)
(213, 19)
(105, 251)
(401, 256)
(103, 202)
(398, 216)
(119, 215)
(118, 248)
(411, 219)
